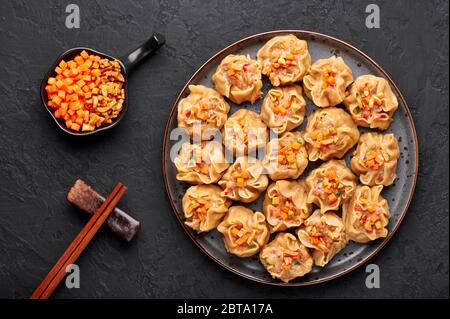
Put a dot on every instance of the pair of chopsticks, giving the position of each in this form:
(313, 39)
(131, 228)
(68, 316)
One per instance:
(58, 272)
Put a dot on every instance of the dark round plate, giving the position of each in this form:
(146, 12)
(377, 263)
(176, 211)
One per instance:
(399, 194)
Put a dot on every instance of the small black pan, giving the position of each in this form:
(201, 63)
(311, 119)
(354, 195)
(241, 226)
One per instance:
(127, 64)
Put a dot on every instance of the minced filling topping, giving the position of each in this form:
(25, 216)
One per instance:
(329, 188)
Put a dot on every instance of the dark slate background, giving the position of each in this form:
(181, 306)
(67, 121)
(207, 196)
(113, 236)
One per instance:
(38, 163)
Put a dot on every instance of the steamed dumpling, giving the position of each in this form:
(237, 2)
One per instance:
(286, 258)
(284, 59)
(330, 185)
(204, 207)
(326, 81)
(283, 109)
(238, 77)
(375, 159)
(244, 132)
(244, 180)
(371, 102)
(330, 133)
(366, 215)
(244, 232)
(285, 205)
(325, 234)
(203, 163)
(203, 107)
(286, 157)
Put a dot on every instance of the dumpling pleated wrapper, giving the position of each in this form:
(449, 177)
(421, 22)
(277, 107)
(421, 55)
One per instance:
(375, 159)
(283, 109)
(238, 77)
(244, 232)
(244, 180)
(326, 81)
(204, 107)
(244, 132)
(330, 133)
(203, 163)
(285, 205)
(204, 207)
(371, 102)
(366, 214)
(284, 59)
(325, 234)
(285, 258)
(330, 185)
(286, 157)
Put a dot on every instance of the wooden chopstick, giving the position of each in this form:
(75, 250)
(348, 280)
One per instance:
(58, 272)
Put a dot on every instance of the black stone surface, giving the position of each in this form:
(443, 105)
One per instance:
(38, 163)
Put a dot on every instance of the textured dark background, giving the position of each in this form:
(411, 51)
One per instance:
(38, 163)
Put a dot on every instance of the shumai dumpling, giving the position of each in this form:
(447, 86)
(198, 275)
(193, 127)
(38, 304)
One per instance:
(244, 132)
(326, 81)
(284, 59)
(244, 180)
(238, 78)
(330, 184)
(325, 234)
(366, 214)
(286, 258)
(375, 159)
(204, 107)
(244, 232)
(204, 207)
(371, 102)
(286, 157)
(283, 109)
(203, 163)
(330, 133)
(285, 205)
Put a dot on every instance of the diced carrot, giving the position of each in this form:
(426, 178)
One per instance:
(56, 100)
(84, 54)
(245, 174)
(332, 198)
(59, 84)
(66, 73)
(62, 94)
(58, 70)
(242, 240)
(74, 71)
(331, 175)
(71, 64)
(79, 60)
(79, 120)
(68, 123)
(96, 72)
(75, 127)
(68, 81)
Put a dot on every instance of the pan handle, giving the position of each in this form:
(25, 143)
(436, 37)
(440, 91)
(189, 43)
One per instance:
(134, 57)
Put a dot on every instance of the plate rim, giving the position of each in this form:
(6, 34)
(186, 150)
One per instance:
(402, 215)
